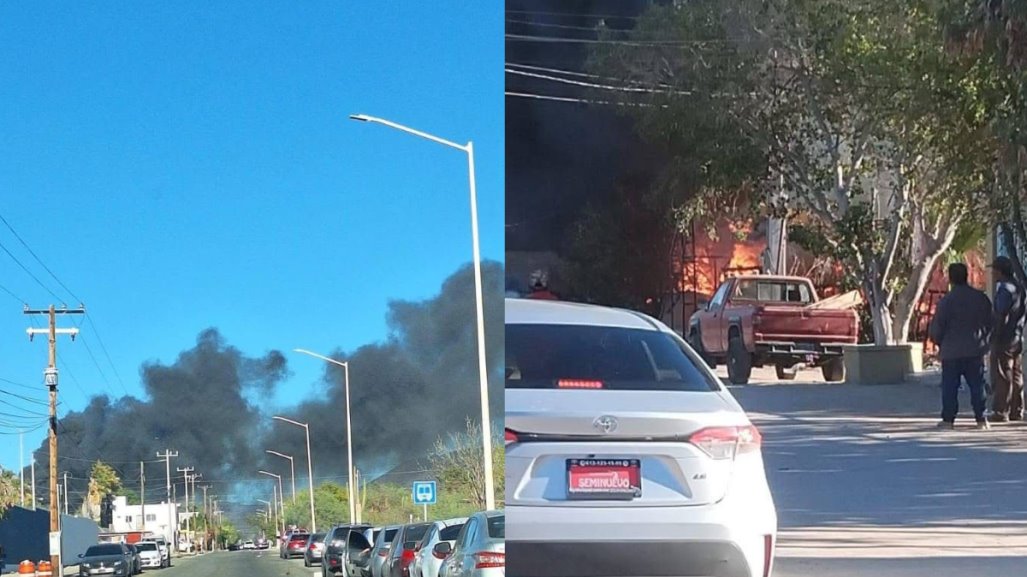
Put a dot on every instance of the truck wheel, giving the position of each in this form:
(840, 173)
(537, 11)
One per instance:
(695, 340)
(834, 370)
(739, 361)
(785, 373)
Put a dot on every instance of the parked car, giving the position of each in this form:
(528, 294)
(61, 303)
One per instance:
(479, 550)
(624, 451)
(380, 552)
(314, 551)
(149, 555)
(248, 545)
(263, 543)
(296, 545)
(403, 548)
(753, 321)
(137, 563)
(235, 546)
(426, 561)
(163, 549)
(337, 545)
(114, 559)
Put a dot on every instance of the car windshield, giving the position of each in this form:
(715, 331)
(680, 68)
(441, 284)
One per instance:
(101, 550)
(146, 546)
(450, 533)
(414, 534)
(497, 527)
(542, 356)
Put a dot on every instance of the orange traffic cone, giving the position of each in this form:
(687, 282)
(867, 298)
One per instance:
(26, 567)
(44, 569)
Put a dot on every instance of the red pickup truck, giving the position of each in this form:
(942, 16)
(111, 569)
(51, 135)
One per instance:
(754, 321)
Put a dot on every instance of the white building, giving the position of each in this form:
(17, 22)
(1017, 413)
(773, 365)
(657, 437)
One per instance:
(129, 518)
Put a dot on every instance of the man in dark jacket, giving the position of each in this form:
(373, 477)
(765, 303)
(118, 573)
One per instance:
(960, 328)
(1007, 344)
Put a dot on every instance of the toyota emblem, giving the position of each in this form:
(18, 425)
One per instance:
(606, 424)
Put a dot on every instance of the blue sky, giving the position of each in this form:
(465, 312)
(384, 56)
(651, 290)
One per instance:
(190, 164)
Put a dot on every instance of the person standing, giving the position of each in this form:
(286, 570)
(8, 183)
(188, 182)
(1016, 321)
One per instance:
(1007, 344)
(961, 328)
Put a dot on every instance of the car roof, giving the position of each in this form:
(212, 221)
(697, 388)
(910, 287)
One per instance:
(527, 311)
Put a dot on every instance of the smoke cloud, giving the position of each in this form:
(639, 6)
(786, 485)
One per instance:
(208, 405)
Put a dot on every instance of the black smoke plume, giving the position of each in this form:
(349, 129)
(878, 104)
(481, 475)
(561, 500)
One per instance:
(208, 405)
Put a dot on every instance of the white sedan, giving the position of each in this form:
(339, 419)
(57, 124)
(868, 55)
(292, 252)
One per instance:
(625, 455)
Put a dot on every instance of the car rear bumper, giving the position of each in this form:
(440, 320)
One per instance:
(722, 540)
(620, 559)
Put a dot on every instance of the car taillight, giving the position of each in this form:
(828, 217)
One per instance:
(726, 442)
(578, 384)
(489, 560)
(408, 556)
(510, 437)
(768, 554)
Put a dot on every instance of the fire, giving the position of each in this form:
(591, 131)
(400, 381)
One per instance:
(714, 259)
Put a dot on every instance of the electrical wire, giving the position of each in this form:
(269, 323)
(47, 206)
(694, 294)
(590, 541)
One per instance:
(579, 100)
(41, 263)
(594, 85)
(103, 347)
(28, 272)
(14, 296)
(571, 15)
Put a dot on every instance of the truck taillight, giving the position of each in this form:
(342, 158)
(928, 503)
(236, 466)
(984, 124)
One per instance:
(509, 437)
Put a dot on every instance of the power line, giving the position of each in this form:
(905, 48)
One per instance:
(557, 26)
(636, 43)
(96, 363)
(14, 296)
(594, 85)
(41, 263)
(103, 348)
(28, 272)
(579, 100)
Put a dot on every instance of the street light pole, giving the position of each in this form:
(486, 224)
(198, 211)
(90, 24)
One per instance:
(292, 467)
(349, 432)
(310, 469)
(486, 423)
(281, 498)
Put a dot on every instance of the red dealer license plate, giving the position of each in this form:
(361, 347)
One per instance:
(604, 478)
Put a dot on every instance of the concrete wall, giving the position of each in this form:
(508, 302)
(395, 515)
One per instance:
(25, 534)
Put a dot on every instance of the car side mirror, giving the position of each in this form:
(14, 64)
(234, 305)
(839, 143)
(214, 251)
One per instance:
(80, 555)
(444, 549)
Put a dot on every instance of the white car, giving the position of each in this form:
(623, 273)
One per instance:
(625, 455)
(149, 555)
(426, 560)
(162, 548)
(248, 545)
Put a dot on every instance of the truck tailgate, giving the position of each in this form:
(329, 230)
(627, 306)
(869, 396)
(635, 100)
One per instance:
(801, 324)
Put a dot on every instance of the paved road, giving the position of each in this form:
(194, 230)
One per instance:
(236, 564)
(865, 485)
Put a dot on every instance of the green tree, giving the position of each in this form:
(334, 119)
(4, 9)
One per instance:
(103, 479)
(458, 465)
(330, 506)
(866, 126)
(10, 491)
(227, 533)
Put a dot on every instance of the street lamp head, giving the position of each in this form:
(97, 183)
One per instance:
(360, 117)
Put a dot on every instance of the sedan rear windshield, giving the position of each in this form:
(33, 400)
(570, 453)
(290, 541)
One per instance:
(595, 357)
(147, 546)
(497, 527)
(299, 537)
(450, 533)
(415, 533)
(100, 550)
(319, 537)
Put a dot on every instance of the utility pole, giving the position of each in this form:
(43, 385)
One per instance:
(142, 493)
(186, 470)
(51, 384)
(171, 514)
(65, 492)
(206, 516)
(21, 466)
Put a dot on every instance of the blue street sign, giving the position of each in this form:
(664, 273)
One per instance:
(425, 493)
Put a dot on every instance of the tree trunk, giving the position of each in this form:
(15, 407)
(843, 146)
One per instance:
(875, 297)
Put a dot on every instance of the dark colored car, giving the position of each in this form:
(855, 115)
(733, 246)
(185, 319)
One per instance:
(234, 546)
(337, 548)
(314, 551)
(114, 559)
(403, 548)
(137, 563)
(296, 545)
